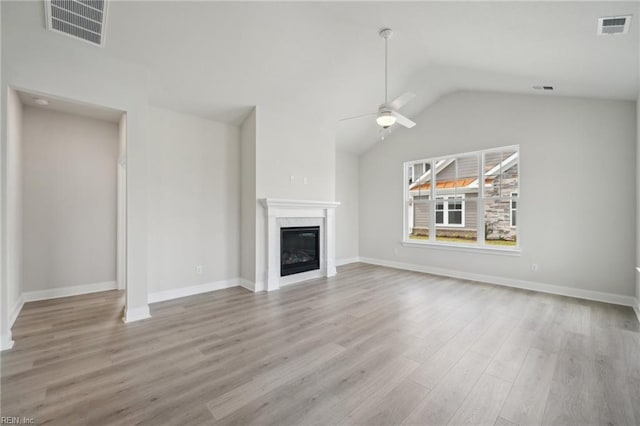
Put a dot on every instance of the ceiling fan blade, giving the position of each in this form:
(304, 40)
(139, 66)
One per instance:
(403, 121)
(358, 116)
(402, 100)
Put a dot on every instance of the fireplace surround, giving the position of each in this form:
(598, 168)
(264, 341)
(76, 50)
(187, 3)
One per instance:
(299, 213)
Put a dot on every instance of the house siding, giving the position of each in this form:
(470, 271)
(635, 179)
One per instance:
(467, 167)
(421, 216)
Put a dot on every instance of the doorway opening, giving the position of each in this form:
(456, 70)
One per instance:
(67, 228)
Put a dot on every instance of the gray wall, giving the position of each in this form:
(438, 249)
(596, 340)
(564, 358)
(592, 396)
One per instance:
(13, 226)
(568, 225)
(347, 193)
(194, 201)
(638, 202)
(69, 200)
(248, 202)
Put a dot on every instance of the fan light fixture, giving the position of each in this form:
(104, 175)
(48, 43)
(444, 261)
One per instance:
(385, 119)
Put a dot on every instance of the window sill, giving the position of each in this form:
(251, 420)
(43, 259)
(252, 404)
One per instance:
(515, 251)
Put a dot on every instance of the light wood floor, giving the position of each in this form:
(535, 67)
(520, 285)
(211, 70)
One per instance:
(372, 346)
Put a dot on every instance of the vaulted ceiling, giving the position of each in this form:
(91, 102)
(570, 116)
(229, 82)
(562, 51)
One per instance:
(217, 60)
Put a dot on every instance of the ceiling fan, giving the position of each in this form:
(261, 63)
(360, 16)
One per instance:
(387, 114)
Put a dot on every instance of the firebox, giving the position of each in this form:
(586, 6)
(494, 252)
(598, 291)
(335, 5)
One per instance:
(299, 249)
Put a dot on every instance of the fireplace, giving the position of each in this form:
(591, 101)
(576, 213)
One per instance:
(280, 214)
(299, 249)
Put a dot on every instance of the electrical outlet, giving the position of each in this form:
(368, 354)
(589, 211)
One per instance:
(199, 269)
(292, 179)
(305, 180)
(534, 267)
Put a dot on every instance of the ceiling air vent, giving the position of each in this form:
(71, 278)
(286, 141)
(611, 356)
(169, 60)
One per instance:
(614, 25)
(81, 19)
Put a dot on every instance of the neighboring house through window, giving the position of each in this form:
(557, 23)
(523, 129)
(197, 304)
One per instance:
(468, 198)
(450, 210)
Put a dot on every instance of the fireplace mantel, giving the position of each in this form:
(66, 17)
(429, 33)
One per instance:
(275, 203)
(283, 213)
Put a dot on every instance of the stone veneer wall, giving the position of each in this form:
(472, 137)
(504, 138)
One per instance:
(498, 212)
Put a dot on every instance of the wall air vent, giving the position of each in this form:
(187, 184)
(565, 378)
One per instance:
(614, 25)
(81, 19)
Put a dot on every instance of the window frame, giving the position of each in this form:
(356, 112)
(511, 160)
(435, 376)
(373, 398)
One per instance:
(445, 210)
(480, 244)
(513, 199)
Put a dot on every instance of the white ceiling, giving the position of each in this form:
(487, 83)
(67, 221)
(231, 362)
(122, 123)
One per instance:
(218, 59)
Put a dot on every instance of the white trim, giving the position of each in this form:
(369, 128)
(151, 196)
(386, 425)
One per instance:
(301, 277)
(6, 341)
(54, 293)
(17, 308)
(176, 293)
(616, 299)
(136, 314)
(341, 262)
(296, 204)
(466, 154)
(636, 309)
(470, 247)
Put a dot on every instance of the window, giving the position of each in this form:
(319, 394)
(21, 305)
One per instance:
(468, 199)
(450, 211)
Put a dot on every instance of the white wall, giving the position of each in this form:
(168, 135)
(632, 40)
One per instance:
(248, 202)
(296, 141)
(577, 207)
(194, 201)
(347, 193)
(69, 175)
(121, 217)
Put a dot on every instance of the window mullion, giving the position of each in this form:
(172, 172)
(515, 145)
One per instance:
(432, 204)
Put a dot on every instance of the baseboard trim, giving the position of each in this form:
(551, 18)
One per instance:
(6, 341)
(16, 311)
(177, 293)
(616, 299)
(55, 293)
(244, 283)
(136, 314)
(341, 262)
